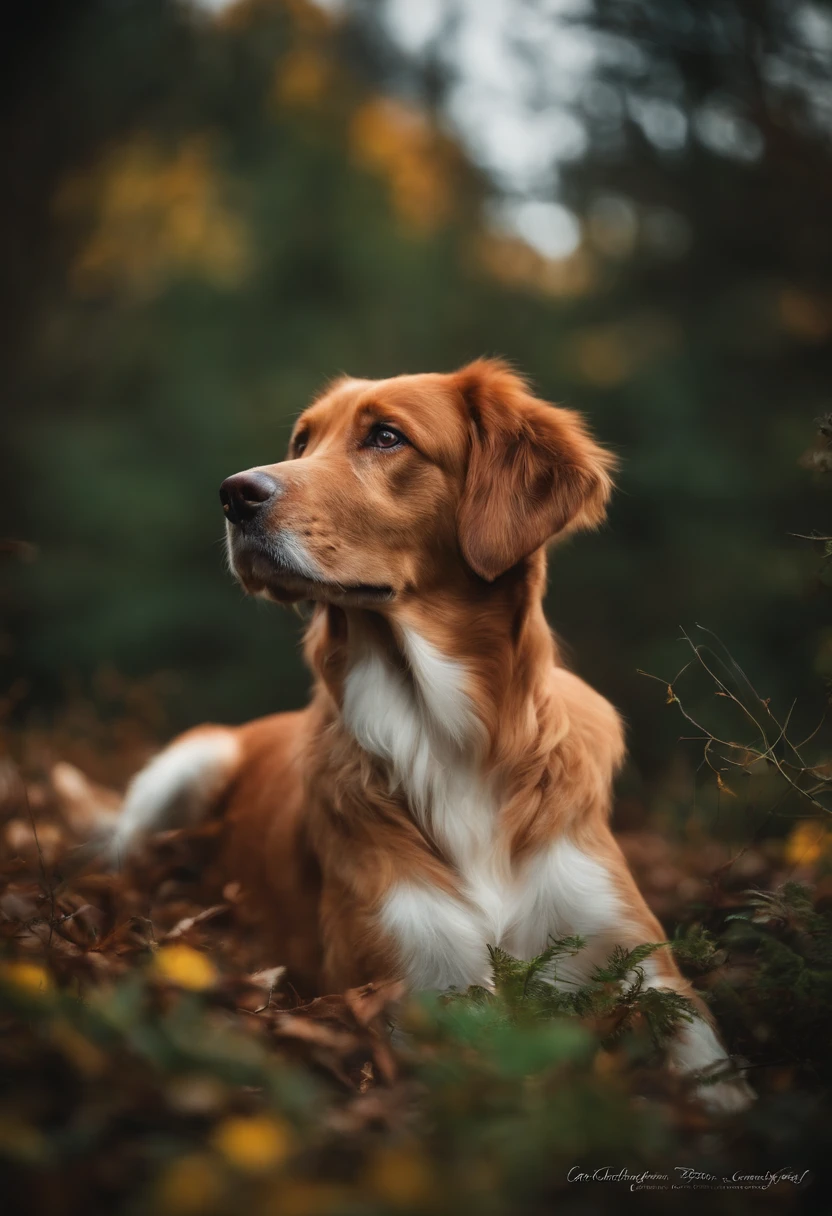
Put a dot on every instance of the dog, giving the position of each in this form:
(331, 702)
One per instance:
(449, 786)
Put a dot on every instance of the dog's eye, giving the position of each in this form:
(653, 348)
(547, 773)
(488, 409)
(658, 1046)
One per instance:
(384, 437)
(299, 443)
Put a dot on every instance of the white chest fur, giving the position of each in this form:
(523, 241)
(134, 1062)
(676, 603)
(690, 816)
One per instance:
(421, 723)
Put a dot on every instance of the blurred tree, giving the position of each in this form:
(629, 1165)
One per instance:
(705, 190)
(211, 215)
(247, 222)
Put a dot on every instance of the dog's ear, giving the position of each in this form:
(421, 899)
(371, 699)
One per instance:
(533, 470)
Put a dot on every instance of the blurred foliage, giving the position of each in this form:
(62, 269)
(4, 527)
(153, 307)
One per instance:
(146, 1068)
(211, 215)
(708, 179)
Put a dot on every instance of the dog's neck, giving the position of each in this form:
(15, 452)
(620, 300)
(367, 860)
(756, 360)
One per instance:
(474, 669)
(454, 700)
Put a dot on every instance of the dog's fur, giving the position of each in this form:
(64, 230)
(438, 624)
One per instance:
(449, 786)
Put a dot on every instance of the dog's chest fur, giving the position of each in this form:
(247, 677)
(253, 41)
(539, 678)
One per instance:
(421, 723)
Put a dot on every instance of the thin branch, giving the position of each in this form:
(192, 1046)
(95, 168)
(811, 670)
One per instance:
(790, 772)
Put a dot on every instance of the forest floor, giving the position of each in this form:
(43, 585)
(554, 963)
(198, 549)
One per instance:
(152, 1062)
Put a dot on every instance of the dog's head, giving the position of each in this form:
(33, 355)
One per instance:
(394, 487)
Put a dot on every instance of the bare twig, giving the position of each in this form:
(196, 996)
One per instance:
(771, 735)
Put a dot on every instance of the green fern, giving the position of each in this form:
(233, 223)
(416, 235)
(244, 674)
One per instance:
(697, 950)
(612, 999)
(622, 962)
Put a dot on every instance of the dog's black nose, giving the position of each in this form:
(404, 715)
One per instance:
(243, 494)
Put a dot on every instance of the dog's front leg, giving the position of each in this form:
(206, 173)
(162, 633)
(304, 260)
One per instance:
(582, 886)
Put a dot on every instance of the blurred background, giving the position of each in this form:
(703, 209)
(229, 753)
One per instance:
(211, 208)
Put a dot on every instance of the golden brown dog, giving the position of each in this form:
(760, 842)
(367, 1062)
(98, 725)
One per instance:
(449, 786)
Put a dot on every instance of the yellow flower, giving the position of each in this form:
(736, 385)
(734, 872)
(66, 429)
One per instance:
(185, 967)
(189, 1185)
(31, 978)
(253, 1143)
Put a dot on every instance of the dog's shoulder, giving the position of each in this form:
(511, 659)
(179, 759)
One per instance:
(593, 722)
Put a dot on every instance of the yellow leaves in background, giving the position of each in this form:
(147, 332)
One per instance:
(158, 213)
(253, 1143)
(805, 317)
(302, 77)
(601, 355)
(309, 17)
(30, 978)
(185, 967)
(513, 262)
(808, 842)
(608, 355)
(398, 142)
